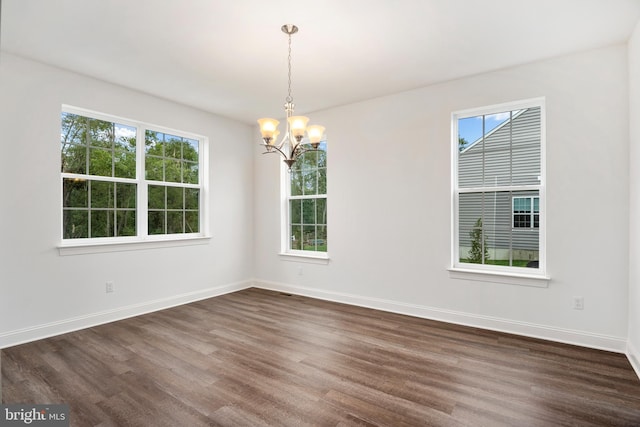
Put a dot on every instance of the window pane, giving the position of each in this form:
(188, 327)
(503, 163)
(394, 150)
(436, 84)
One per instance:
(487, 235)
(100, 162)
(192, 198)
(309, 237)
(472, 237)
(172, 170)
(154, 168)
(74, 129)
(175, 198)
(156, 222)
(74, 158)
(124, 164)
(296, 237)
(507, 153)
(310, 181)
(153, 143)
(126, 225)
(175, 222)
(322, 181)
(101, 133)
(156, 197)
(190, 150)
(526, 146)
(190, 171)
(102, 223)
(173, 146)
(321, 231)
(102, 194)
(322, 155)
(75, 224)
(309, 211)
(125, 195)
(74, 193)
(125, 137)
(296, 182)
(295, 209)
(469, 131)
(321, 211)
(192, 222)
(470, 165)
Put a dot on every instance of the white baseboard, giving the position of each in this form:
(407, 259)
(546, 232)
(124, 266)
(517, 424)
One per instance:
(567, 336)
(634, 358)
(63, 326)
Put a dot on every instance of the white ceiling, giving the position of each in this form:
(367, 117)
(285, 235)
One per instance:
(230, 57)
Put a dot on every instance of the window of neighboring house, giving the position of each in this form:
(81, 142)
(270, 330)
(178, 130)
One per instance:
(307, 203)
(526, 212)
(126, 181)
(498, 186)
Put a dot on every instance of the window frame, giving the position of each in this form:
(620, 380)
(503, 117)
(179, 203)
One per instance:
(285, 190)
(142, 239)
(502, 274)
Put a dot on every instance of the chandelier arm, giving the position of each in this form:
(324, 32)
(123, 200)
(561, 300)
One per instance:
(276, 148)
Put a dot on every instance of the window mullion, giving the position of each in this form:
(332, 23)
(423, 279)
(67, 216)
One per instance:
(142, 187)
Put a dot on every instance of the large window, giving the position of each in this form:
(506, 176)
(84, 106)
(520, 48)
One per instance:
(307, 203)
(499, 188)
(126, 181)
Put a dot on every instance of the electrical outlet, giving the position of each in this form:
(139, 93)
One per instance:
(108, 287)
(578, 303)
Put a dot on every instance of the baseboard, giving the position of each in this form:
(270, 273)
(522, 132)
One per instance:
(567, 336)
(634, 358)
(25, 335)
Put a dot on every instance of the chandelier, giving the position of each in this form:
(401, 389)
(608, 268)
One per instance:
(293, 143)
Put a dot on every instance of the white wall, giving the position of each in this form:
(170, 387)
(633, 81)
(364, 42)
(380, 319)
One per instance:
(633, 349)
(43, 293)
(390, 204)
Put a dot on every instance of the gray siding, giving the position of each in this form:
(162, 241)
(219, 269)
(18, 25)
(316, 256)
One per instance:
(518, 140)
(495, 210)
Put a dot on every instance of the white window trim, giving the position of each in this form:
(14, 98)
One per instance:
(499, 274)
(287, 254)
(142, 240)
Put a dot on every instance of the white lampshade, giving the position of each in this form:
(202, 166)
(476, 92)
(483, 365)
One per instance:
(298, 125)
(268, 127)
(315, 133)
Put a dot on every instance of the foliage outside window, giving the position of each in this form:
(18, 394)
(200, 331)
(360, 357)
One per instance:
(124, 180)
(307, 202)
(498, 188)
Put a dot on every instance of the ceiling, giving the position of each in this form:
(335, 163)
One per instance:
(230, 57)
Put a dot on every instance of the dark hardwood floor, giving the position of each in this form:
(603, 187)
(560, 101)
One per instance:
(256, 358)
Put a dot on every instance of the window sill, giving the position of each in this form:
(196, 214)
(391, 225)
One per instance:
(311, 258)
(535, 280)
(83, 248)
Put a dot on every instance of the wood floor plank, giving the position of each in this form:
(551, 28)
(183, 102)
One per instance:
(264, 358)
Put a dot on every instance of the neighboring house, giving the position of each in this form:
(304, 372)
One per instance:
(510, 218)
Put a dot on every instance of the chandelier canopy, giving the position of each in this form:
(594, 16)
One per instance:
(293, 143)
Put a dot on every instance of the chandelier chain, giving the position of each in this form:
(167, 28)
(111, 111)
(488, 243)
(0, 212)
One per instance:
(289, 97)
